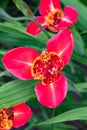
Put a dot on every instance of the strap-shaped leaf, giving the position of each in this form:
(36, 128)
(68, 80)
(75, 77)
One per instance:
(82, 87)
(3, 13)
(19, 34)
(79, 44)
(75, 114)
(80, 59)
(15, 92)
(24, 8)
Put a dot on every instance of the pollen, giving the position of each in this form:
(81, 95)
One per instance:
(53, 19)
(6, 119)
(47, 67)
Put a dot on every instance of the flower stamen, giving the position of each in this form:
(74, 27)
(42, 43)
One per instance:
(53, 19)
(6, 119)
(47, 67)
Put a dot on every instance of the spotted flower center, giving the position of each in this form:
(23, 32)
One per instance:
(47, 67)
(6, 119)
(53, 19)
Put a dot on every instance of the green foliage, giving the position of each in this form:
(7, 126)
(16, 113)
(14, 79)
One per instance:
(75, 114)
(14, 91)
(4, 3)
(24, 8)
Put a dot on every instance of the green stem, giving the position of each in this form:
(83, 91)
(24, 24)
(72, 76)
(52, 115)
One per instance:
(20, 18)
(25, 9)
(53, 113)
(15, 18)
(38, 24)
(45, 114)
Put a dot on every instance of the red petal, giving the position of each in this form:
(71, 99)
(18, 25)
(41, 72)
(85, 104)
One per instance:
(46, 5)
(33, 29)
(70, 17)
(18, 61)
(51, 95)
(22, 113)
(63, 44)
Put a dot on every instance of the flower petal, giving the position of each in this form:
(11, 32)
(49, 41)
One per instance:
(18, 61)
(51, 95)
(22, 113)
(70, 17)
(33, 29)
(46, 5)
(63, 44)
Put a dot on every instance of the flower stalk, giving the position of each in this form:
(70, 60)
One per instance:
(25, 9)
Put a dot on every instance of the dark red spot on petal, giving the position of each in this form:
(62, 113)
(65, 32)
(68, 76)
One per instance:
(47, 67)
(6, 119)
(53, 19)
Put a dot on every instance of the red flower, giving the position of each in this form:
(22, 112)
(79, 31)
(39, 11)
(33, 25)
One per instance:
(15, 116)
(53, 17)
(26, 63)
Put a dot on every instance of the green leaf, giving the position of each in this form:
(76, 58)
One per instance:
(74, 114)
(77, 87)
(18, 36)
(24, 8)
(15, 92)
(5, 27)
(62, 126)
(82, 12)
(4, 15)
(4, 73)
(80, 59)
(79, 44)
(81, 86)
(14, 40)
(43, 37)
